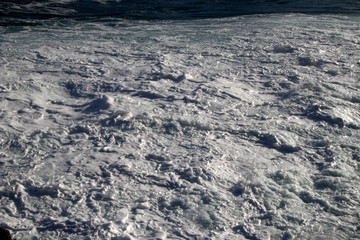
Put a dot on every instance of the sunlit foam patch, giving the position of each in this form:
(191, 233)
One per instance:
(350, 117)
(338, 116)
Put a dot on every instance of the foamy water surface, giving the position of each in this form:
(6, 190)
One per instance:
(230, 128)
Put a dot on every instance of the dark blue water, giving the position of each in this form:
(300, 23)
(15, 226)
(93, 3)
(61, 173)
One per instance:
(169, 9)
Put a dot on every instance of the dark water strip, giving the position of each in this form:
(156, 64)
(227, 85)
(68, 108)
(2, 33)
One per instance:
(170, 9)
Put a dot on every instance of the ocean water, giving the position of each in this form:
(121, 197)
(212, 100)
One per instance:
(172, 9)
(180, 119)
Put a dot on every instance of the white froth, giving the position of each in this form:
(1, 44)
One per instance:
(236, 128)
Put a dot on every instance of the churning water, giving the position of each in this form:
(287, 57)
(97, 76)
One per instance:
(180, 119)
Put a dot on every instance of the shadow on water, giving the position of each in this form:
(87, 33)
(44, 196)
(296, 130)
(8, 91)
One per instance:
(168, 9)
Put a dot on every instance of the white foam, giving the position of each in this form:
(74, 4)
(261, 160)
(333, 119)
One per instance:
(215, 128)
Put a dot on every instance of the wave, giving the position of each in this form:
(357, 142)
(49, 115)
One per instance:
(171, 9)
